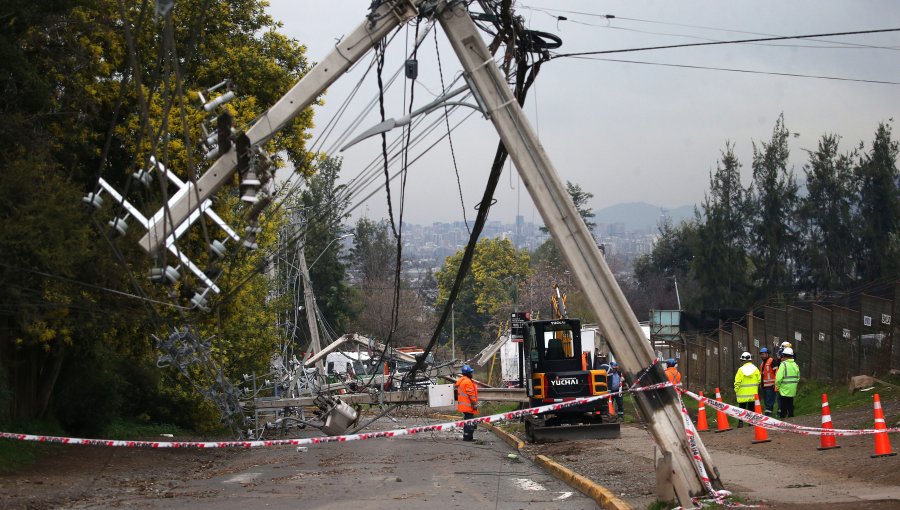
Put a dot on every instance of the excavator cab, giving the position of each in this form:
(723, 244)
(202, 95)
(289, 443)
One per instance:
(556, 372)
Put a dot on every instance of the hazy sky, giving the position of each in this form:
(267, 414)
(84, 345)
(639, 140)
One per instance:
(624, 131)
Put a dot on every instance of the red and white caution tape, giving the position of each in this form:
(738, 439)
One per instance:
(719, 497)
(767, 422)
(318, 440)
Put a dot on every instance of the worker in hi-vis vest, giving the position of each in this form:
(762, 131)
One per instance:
(746, 384)
(672, 373)
(767, 389)
(467, 400)
(786, 379)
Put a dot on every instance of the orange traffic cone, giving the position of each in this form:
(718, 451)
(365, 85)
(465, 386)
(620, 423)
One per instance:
(609, 406)
(722, 424)
(702, 426)
(828, 441)
(760, 434)
(882, 443)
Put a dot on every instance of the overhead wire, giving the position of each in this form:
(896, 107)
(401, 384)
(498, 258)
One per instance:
(610, 17)
(462, 202)
(735, 70)
(525, 76)
(721, 43)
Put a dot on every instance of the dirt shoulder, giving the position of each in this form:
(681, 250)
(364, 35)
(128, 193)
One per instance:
(788, 472)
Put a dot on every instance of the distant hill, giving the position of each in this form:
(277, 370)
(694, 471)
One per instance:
(640, 215)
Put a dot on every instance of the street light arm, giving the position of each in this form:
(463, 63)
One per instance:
(345, 236)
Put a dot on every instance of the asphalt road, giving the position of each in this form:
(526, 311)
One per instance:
(425, 471)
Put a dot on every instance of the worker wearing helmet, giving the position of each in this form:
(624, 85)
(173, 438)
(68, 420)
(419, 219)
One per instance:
(767, 369)
(671, 372)
(786, 380)
(779, 355)
(467, 400)
(746, 383)
(614, 385)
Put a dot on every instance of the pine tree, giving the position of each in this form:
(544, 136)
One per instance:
(825, 215)
(720, 259)
(877, 205)
(773, 210)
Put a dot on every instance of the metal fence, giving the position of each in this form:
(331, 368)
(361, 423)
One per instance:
(833, 341)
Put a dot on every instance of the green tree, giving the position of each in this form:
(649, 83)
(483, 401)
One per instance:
(325, 205)
(877, 206)
(825, 217)
(80, 99)
(581, 199)
(374, 254)
(488, 291)
(668, 264)
(720, 261)
(773, 215)
(373, 259)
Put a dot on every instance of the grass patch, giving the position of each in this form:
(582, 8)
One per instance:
(661, 505)
(809, 397)
(513, 427)
(489, 408)
(15, 454)
(127, 429)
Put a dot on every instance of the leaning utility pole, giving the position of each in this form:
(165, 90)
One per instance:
(660, 409)
(309, 302)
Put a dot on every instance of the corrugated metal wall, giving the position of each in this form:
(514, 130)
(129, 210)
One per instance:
(832, 343)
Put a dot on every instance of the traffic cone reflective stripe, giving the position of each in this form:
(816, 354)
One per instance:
(828, 441)
(882, 443)
(702, 426)
(722, 424)
(760, 435)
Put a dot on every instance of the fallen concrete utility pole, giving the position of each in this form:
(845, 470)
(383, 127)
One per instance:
(660, 409)
(368, 343)
(386, 17)
(309, 302)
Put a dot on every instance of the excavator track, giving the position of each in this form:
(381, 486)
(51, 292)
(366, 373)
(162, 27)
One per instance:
(542, 430)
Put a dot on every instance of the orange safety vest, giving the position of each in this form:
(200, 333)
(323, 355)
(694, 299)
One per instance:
(768, 373)
(674, 375)
(466, 395)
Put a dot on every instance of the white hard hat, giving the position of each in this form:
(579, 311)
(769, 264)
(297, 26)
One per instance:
(786, 344)
(745, 356)
(788, 351)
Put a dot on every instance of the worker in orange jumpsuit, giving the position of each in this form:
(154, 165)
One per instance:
(467, 401)
(671, 372)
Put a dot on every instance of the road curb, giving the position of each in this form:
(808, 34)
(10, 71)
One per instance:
(508, 438)
(601, 495)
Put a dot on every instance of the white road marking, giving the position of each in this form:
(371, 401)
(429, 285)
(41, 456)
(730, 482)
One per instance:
(563, 495)
(243, 478)
(527, 484)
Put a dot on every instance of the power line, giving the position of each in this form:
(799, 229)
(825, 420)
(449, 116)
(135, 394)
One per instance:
(720, 43)
(834, 44)
(746, 71)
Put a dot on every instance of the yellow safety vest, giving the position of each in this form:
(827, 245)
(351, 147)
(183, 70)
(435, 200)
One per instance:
(746, 382)
(787, 378)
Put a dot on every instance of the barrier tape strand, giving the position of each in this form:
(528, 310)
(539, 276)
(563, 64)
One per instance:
(320, 440)
(770, 423)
